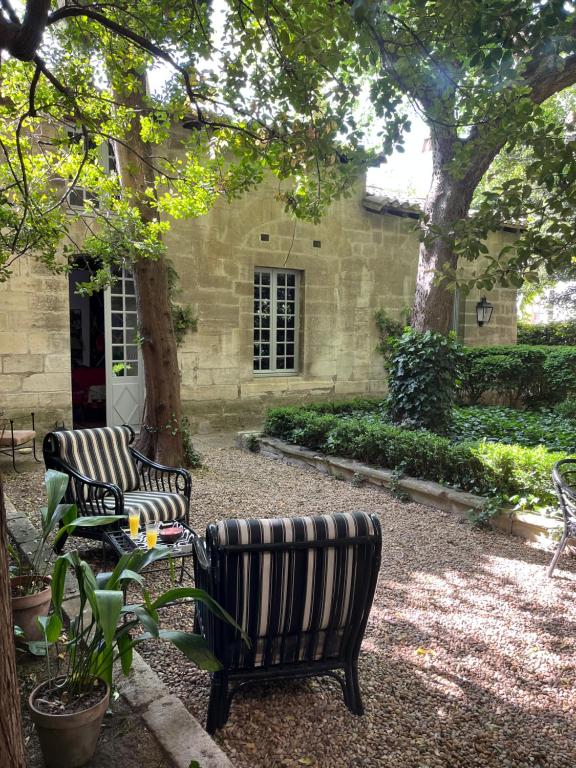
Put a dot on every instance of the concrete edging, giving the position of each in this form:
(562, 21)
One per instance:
(179, 733)
(526, 525)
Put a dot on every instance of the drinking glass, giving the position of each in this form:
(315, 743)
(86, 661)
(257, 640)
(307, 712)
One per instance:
(134, 523)
(151, 534)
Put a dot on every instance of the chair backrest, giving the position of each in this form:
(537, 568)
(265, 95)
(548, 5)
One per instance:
(100, 454)
(564, 478)
(301, 587)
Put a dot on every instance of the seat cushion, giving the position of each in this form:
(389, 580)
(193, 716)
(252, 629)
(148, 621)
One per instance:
(154, 506)
(20, 436)
(100, 454)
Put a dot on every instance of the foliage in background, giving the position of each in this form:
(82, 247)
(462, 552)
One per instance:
(423, 377)
(389, 330)
(520, 374)
(554, 429)
(183, 316)
(561, 332)
(509, 473)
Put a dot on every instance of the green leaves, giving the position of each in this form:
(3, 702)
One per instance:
(423, 373)
(109, 606)
(192, 646)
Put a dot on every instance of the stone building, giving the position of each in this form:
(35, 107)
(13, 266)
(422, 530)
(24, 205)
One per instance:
(285, 314)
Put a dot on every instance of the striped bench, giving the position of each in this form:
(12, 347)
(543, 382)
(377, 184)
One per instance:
(109, 476)
(301, 588)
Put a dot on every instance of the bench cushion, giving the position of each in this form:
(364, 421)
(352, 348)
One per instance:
(100, 454)
(21, 436)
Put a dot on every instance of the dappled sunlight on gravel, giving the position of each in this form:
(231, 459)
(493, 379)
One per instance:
(469, 654)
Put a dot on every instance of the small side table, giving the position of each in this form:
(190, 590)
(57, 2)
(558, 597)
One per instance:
(122, 543)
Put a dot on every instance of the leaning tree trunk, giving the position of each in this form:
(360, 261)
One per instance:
(160, 437)
(448, 201)
(11, 742)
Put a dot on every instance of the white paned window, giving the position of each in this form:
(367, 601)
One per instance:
(276, 309)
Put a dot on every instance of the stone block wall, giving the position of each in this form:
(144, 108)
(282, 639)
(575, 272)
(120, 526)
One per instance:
(35, 345)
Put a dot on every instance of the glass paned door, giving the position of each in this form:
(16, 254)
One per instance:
(124, 372)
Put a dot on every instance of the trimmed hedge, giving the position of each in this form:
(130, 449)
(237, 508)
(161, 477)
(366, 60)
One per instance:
(510, 472)
(529, 375)
(550, 334)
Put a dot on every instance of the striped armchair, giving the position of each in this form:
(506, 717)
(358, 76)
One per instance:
(109, 477)
(300, 587)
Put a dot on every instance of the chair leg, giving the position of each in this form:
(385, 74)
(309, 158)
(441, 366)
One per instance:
(559, 549)
(219, 705)
(352, 697)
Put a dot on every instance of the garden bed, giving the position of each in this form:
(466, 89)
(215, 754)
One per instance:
(527, 525)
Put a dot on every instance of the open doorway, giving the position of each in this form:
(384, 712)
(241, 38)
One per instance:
(87, 349)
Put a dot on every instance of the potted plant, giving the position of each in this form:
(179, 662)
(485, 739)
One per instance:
(30, 582)
(68, 707)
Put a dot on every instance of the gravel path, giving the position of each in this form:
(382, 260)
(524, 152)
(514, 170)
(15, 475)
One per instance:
(468, 659)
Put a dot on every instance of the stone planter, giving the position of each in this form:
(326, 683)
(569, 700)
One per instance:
(69, 740)
(25, 609)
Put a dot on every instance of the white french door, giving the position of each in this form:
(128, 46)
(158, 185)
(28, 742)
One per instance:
(124, 366)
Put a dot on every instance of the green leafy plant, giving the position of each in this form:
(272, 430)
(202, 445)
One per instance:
(532, 376)
(549, 334)
(423, 376)
(109, 630)
(51, 516)
(550, 428)
(389, 331)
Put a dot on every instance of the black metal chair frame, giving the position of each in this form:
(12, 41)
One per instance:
(562, 472)
(89, 495)
(208, 566)
(13, 448)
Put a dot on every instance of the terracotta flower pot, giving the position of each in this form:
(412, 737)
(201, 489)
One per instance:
(25, 609)
(68, 741)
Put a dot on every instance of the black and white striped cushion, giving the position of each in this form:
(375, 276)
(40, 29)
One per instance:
(154, 506)
(101, 454)
(296, 598)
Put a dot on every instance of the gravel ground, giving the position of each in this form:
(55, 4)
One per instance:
(468, 658)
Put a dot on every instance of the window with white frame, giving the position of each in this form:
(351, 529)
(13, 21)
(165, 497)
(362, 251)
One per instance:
(276, 309)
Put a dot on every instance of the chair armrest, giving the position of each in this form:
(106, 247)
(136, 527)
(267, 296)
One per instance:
(158, 477)
(200, 553)
(88, 494)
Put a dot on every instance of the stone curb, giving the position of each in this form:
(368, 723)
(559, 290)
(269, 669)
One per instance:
(180, 735)
(526, 525)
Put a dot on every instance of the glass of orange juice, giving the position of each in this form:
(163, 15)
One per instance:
(134, 522)
(151, 534)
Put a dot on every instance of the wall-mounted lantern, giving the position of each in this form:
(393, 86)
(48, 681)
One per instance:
(483, 311)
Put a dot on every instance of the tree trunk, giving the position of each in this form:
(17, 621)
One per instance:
(11, 742)
(160, 437)
(448, 201)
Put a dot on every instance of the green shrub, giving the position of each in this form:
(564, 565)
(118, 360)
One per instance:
(423, 375)
(567, 409)
(518, 474)
(389, 331)
(529, 375)
(550, 334)
(513, 473)
(550, 428)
